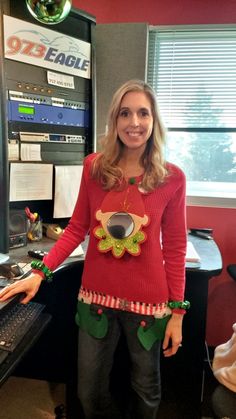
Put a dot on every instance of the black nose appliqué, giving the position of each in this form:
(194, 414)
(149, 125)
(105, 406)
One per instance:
(120, 225)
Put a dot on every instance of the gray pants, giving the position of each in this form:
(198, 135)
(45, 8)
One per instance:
(95, 361)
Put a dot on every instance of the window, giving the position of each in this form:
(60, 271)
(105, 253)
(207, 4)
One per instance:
(193, 71)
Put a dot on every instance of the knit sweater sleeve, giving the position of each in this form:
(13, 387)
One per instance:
(174, 238)
(78, 225)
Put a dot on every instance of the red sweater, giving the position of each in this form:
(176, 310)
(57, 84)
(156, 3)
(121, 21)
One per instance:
(157, 274)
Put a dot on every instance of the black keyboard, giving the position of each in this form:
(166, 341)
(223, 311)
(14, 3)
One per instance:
(15, 323)
(3, 355)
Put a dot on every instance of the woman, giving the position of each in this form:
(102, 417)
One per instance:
(132, 203)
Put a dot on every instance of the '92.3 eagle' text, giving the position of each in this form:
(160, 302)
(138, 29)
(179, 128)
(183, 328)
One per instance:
(35, 50)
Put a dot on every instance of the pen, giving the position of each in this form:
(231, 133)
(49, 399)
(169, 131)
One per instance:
(201, 235)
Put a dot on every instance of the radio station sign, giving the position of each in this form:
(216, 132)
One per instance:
(33, 44)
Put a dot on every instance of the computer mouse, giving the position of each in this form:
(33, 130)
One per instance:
(10, 270)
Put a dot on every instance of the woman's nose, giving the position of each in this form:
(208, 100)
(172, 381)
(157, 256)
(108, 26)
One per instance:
(134, 120)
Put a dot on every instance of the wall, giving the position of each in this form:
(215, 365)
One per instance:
(159, 12)
(121, 51)
(222, 289)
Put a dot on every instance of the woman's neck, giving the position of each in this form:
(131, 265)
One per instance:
(131, 165)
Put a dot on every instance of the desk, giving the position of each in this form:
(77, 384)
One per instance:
(29, 340)
(55, 351)
(20, 254)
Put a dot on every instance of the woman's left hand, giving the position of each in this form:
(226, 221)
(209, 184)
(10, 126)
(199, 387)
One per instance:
(173, 335)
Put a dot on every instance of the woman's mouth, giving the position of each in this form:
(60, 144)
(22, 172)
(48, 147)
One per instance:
(134, 134)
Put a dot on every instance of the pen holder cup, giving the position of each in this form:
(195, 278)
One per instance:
(35, 231)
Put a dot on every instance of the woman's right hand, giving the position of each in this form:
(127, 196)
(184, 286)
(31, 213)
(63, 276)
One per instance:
(29, 286)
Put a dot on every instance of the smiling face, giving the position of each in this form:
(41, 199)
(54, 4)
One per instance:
(135, 120)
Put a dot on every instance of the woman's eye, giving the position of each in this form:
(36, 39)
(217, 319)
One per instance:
(144, 113)
(124, 114)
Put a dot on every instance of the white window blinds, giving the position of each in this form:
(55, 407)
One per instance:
(193, 71)
(194, 75)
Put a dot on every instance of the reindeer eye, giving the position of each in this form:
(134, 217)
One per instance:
(120, 225)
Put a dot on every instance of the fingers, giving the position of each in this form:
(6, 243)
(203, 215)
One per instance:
(169, 351)
(9, 291)
(173, 336)
(29, 286)
(166, 342)
(26, 299)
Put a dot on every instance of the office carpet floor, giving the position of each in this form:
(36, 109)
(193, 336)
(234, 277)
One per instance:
(24, 398)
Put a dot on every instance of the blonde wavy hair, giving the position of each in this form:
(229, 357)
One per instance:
(105, 167)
